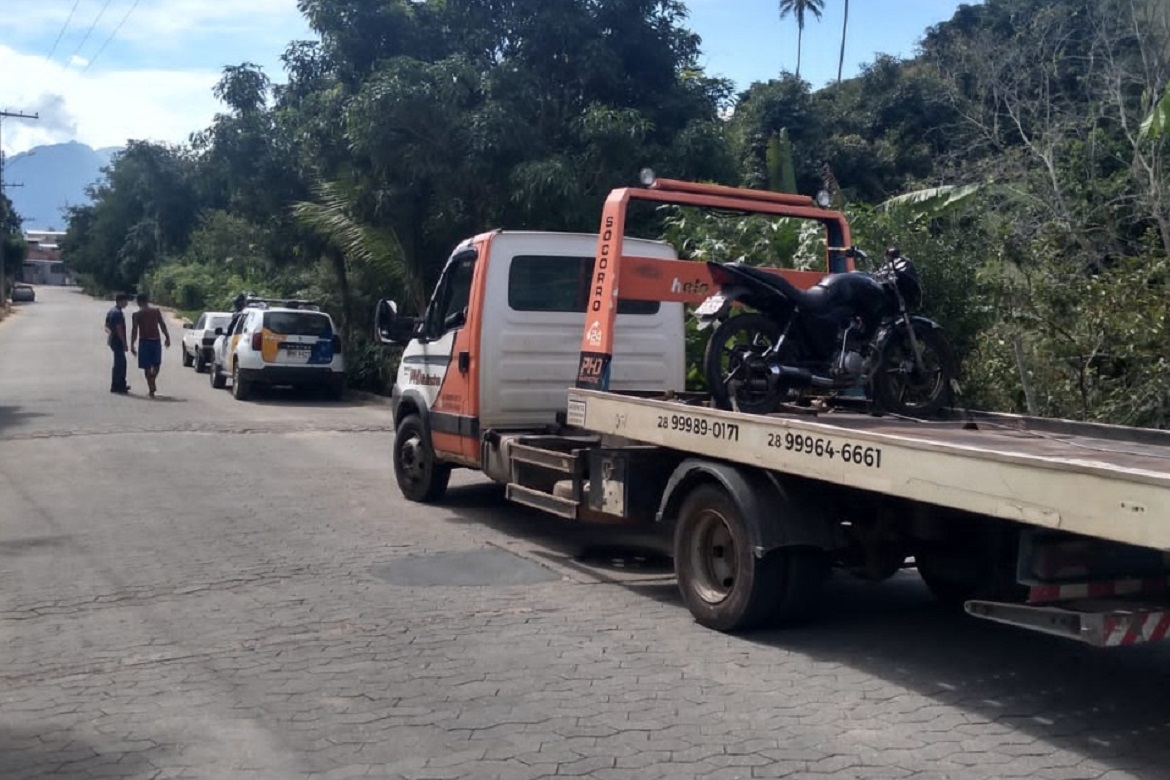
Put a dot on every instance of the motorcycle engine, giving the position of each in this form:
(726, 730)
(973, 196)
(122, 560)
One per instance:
(852, 362)
(849, 360)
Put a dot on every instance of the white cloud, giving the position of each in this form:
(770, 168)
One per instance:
(102, 107)
(152, 81)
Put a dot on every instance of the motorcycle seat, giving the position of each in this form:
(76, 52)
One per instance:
(810, 300)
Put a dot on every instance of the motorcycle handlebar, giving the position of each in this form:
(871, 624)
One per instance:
(850, 251)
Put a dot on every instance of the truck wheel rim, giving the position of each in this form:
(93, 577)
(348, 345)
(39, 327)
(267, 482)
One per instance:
(713, 558)
(412, 459)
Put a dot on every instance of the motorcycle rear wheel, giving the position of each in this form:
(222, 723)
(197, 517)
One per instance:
(729, 355)
(897, 386)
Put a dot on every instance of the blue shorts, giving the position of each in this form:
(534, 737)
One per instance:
(149, 353)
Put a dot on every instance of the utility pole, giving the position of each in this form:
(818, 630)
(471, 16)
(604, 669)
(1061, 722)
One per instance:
(6, 115)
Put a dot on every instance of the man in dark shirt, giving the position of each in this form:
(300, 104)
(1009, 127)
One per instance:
(116, 330)
(147, 322)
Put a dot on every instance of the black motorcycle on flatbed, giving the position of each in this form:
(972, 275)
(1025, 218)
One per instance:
(850, 331)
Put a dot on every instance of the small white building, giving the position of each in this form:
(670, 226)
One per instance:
(43, 265)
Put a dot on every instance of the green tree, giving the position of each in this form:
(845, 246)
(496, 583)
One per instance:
(800, 9)
(142, 211)
(13, 248)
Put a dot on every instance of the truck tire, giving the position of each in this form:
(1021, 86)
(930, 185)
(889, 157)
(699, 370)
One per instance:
(187, 359)
(723, 583)
(420, 476)
(217, 378)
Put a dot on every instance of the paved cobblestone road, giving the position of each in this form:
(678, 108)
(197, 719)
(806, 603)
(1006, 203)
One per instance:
(190, 587)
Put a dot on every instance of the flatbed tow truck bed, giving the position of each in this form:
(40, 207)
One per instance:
(1084, 493)
(1082, 478)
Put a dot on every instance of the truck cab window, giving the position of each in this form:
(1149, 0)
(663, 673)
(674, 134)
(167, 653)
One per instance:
(448, 309)
(559, 283)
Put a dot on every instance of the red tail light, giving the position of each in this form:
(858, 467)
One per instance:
(258, 340)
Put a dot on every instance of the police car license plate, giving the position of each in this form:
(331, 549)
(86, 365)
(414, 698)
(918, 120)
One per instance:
(298, 353)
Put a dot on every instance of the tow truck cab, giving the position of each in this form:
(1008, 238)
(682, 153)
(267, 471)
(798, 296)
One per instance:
(497, 349)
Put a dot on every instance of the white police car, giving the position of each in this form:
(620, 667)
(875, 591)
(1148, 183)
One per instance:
(279, 342)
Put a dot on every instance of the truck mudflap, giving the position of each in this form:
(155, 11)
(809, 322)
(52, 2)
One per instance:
(1098, 623)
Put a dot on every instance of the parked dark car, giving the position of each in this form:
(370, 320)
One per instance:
(23, 292)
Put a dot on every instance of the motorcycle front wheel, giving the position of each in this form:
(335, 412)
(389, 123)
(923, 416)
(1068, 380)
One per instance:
(899, 387)
(735, 354)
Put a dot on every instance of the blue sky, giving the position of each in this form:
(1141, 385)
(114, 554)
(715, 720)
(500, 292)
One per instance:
(144, 68)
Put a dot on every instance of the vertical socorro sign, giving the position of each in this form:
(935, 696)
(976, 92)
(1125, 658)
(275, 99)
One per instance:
(597, 338)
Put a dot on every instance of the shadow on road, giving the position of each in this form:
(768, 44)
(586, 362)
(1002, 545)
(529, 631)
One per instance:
(484, 504)
(158, 399)
(11, 416)
(298, 398)
(62, 754)
(1107, 705)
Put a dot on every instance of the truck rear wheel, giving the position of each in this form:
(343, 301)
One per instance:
(420, 476)
(723, 583)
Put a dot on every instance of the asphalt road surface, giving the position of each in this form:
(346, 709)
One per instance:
(198, 587)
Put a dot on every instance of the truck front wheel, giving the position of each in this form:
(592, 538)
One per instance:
(723, 583)
(420, 476)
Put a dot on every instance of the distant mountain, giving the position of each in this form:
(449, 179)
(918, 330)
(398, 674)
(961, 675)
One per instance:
(54, 177)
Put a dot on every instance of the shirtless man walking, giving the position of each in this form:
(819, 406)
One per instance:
(147, 322)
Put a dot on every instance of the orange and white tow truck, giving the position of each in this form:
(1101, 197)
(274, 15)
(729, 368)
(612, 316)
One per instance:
(554, 364)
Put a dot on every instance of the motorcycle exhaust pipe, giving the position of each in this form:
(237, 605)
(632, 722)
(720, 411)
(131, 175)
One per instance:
(800, 376)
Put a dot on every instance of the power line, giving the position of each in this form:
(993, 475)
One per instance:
(105, 43)
(10, 115)
(64, 27)
(89, 32)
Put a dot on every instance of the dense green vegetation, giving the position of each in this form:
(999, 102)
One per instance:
(13, 248)
(1032, 134)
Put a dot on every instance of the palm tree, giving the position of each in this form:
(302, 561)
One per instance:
(350, 242)
(799, 8)
(844, 30)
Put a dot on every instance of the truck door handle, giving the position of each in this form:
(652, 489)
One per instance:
(464, 362)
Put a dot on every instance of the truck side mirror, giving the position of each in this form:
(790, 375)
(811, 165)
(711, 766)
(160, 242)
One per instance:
(389, 328)
(456, 319)
(219, 331)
